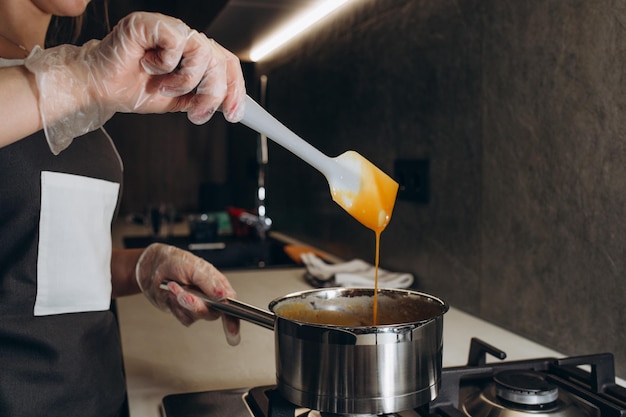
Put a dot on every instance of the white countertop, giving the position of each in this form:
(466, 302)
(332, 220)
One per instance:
(163, 357)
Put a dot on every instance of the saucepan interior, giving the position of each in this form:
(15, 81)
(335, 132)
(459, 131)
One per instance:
(355, 307)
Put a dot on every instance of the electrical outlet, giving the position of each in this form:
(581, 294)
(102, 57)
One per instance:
(413, 176)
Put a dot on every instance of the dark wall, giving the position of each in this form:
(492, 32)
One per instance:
(520, 108)
(167, 159)
(554, 172)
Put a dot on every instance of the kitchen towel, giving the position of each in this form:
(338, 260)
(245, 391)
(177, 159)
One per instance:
(354, 273)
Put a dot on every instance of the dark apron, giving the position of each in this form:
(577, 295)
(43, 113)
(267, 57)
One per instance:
(67, 364)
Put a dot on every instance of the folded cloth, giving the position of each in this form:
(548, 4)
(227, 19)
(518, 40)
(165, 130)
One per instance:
(354, 273)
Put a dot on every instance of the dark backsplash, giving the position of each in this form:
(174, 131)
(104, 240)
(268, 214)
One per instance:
(519, 106)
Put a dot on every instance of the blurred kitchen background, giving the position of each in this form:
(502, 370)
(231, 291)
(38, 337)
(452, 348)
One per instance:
(516, 109)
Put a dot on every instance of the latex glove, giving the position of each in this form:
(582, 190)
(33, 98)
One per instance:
(149, 63)
(160, 262)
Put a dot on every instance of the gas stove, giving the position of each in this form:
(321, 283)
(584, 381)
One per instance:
(581, 386)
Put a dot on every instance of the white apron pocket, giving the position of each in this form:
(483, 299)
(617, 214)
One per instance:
(74, 260)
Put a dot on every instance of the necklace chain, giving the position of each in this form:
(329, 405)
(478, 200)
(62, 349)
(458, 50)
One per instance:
(22, 47)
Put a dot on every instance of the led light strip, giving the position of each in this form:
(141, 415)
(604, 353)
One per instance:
(295, 27)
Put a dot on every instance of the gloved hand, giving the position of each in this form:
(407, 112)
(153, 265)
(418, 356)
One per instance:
(160, 262)
(149, 63)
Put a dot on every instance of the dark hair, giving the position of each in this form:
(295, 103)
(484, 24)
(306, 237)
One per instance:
(93, 24)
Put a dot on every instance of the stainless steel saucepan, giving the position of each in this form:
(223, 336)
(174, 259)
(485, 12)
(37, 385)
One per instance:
(332, 358)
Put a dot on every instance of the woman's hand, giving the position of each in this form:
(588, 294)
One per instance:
(160, 262)
(152, 63)
(149, 63)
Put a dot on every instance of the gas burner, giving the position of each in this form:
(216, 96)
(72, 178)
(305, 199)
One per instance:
(315, 413)
(268, 402)
(263, 401)
(521, 392)
(525, 388)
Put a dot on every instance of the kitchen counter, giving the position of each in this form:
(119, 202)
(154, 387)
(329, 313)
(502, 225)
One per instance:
(163, 357)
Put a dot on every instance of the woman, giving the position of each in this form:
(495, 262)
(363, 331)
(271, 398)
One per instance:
(59, 187)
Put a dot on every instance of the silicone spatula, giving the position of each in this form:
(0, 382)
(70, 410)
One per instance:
(357, 185)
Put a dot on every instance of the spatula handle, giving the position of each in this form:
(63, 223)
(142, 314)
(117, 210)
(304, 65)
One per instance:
(259, 120)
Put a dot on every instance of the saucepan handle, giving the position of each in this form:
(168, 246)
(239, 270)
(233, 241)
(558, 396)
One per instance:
(233, 308)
